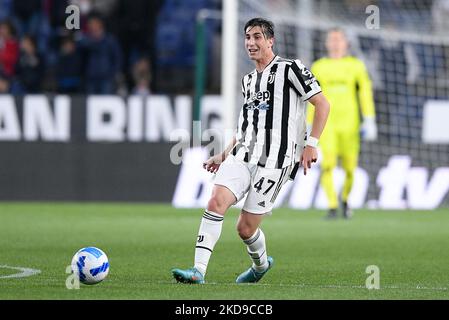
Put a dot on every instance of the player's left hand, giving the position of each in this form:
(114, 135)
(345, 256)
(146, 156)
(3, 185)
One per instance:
(308, 156)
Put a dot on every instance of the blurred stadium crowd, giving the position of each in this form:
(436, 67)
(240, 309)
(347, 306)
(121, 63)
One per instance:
(144, 46)
(122, 46)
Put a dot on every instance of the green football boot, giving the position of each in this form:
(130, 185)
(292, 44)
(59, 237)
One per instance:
(192, 276)
(252, 276)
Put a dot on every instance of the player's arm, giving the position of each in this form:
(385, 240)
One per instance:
(305, 83)
(369, 127)
(310, 111)
(213, 163)
(320, 116)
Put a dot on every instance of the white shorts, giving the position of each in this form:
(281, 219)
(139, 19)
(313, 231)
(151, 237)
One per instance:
(261, 184)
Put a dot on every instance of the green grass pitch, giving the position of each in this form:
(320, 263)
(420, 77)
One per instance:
(314, 258)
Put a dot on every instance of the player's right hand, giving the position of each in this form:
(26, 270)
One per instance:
(368, 129)
(308, 157)
(213, 163)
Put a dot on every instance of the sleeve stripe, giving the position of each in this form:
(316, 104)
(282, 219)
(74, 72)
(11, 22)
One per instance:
(312, 95)
(298, 75)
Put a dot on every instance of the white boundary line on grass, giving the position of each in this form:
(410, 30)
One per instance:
(24, 272)
(316, 286)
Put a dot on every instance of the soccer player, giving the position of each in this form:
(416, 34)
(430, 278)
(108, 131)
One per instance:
(346, 83)
(270, 141)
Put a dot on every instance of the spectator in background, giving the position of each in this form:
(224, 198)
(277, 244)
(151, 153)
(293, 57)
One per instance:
(30, 19)
(27, 15)
(4, 84)
(68, 67)
(5, 9)
(141, 77)
(102, 56)
(57, 16)
(30, 67)
(135, 28)
(105, 8)
(9, 49)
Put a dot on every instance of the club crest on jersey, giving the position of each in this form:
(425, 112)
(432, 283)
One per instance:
(271, 77)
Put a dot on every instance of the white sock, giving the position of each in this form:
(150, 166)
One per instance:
(210, 230)
(257, 250)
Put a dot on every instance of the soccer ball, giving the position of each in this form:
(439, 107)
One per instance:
(90, 265)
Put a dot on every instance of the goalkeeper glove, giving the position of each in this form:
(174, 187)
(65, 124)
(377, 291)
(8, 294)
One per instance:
(369, 129)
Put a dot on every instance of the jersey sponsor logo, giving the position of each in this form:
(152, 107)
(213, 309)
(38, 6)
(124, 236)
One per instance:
(261, 97)
(263, 107)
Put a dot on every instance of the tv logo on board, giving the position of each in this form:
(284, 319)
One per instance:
(396, 179)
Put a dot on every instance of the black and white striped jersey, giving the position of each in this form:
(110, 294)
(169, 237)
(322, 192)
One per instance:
(272, 123)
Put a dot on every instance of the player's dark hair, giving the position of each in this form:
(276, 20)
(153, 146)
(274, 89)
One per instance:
(266, 26)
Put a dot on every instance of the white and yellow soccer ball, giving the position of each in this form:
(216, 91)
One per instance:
(90, 265)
